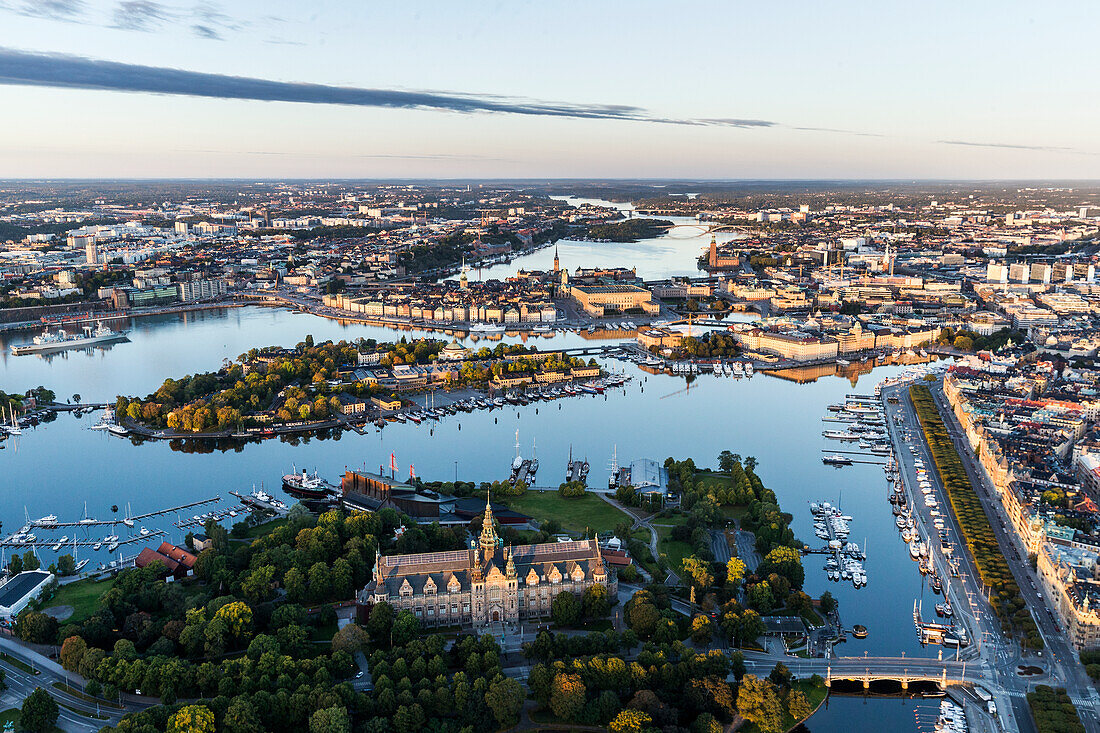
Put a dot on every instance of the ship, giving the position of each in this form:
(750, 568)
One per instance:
(836, 460)
(58, 340)
(305, 486)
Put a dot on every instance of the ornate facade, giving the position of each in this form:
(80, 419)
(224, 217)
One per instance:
(488, 582)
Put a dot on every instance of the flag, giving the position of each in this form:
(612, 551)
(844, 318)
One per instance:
(412, 471)
(393, 463)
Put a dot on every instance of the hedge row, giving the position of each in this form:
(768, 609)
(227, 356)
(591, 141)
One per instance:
(1053, 711)
(1008, 604)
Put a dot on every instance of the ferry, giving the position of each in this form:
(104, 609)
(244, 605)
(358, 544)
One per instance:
(836, 460)
(59, 339)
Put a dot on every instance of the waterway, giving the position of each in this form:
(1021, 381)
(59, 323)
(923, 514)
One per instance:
(674, 253)
(58, 466)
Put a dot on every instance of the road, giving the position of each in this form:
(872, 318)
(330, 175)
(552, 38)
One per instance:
(1059, 661)
(966, 592)
(1059, 654)
(75, 714)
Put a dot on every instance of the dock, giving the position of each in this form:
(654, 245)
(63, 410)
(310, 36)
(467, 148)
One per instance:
(110, 522)
(50, 544)
(845, 561)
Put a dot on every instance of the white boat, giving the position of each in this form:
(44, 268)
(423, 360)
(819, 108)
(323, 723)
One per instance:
(144, 531)
(59, 339)
(47, 521)
(60, 542)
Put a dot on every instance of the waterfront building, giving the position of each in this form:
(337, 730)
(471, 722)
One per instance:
(18, 591)
(488, 583)
(601, 300)
(1071, 577)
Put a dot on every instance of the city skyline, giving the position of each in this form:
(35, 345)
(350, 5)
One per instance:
(711, 92)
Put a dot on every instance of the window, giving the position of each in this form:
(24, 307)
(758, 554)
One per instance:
(466, 607)
(454, 608)
(419, 612)
(431, 611)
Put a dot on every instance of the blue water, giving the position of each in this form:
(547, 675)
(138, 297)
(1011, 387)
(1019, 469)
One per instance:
(58, 467)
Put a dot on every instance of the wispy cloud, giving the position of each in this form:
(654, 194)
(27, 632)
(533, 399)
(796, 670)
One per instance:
(75, 72)
(69, 10)
(205, 31)
(735, 122)
(1047, 148)
(140, 15)
(839, 131)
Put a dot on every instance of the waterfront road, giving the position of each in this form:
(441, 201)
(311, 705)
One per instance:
(966, 592)
(1059, 656)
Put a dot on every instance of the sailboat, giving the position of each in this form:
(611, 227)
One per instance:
(13, 428)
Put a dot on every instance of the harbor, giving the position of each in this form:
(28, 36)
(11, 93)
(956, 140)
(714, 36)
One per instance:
(844, 559)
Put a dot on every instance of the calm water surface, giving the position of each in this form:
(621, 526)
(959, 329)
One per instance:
(57, 467)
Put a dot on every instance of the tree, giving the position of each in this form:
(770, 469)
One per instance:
(37, 628)
(701, 629)
(735, 571)
(240, 717)
(72, 651)
(565, 610)
(15, 565)
(828, 603)
(725, 462)
(330, 720)
(351, 639)
(699, 572)
(758, 701)
(630, 721)
(596, 602)
(505, 698)
(66, 565)
(798, 706)
(405, 628)
(39, 712)
(192, 719)
(30, 561)
(567, 696)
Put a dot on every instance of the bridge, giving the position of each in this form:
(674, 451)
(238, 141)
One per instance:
(690, 231)
(903, 670)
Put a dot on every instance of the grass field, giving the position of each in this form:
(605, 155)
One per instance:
(576, 515)
(674, 550)
(82, 595)
(261, 529)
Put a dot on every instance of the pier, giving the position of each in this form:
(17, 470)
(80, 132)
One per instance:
(126, 520)
(50, 544)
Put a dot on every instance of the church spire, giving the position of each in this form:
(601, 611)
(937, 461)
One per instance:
(488, 541)
(557, 264)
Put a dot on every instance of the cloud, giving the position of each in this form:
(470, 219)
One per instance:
(838, 131)
(1047, 148)
(735, 122)
(140, 15)
(205, 31)
(52, 9)
(75, 72)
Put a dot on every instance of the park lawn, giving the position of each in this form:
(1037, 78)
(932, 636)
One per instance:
(674, 550)
(262, 529)
(82, 595)
(707, 479)
(12, 716)
(675, 520)
(576, 515)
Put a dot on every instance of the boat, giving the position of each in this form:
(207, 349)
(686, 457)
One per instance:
(80, 565)
(859, 631)
(50, 520)
(144, 531)
(97, 545)
(836, 460)
(907, 536)
(306, 486)
(57, 340)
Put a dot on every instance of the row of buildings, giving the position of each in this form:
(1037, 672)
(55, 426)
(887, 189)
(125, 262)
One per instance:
(1033, 427)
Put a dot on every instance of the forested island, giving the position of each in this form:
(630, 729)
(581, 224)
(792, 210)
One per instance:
(628, 230)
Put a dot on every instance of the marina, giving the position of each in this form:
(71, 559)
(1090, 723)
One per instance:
(845, 559)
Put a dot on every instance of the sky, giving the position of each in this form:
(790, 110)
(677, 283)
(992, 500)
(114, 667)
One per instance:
(517, 89)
